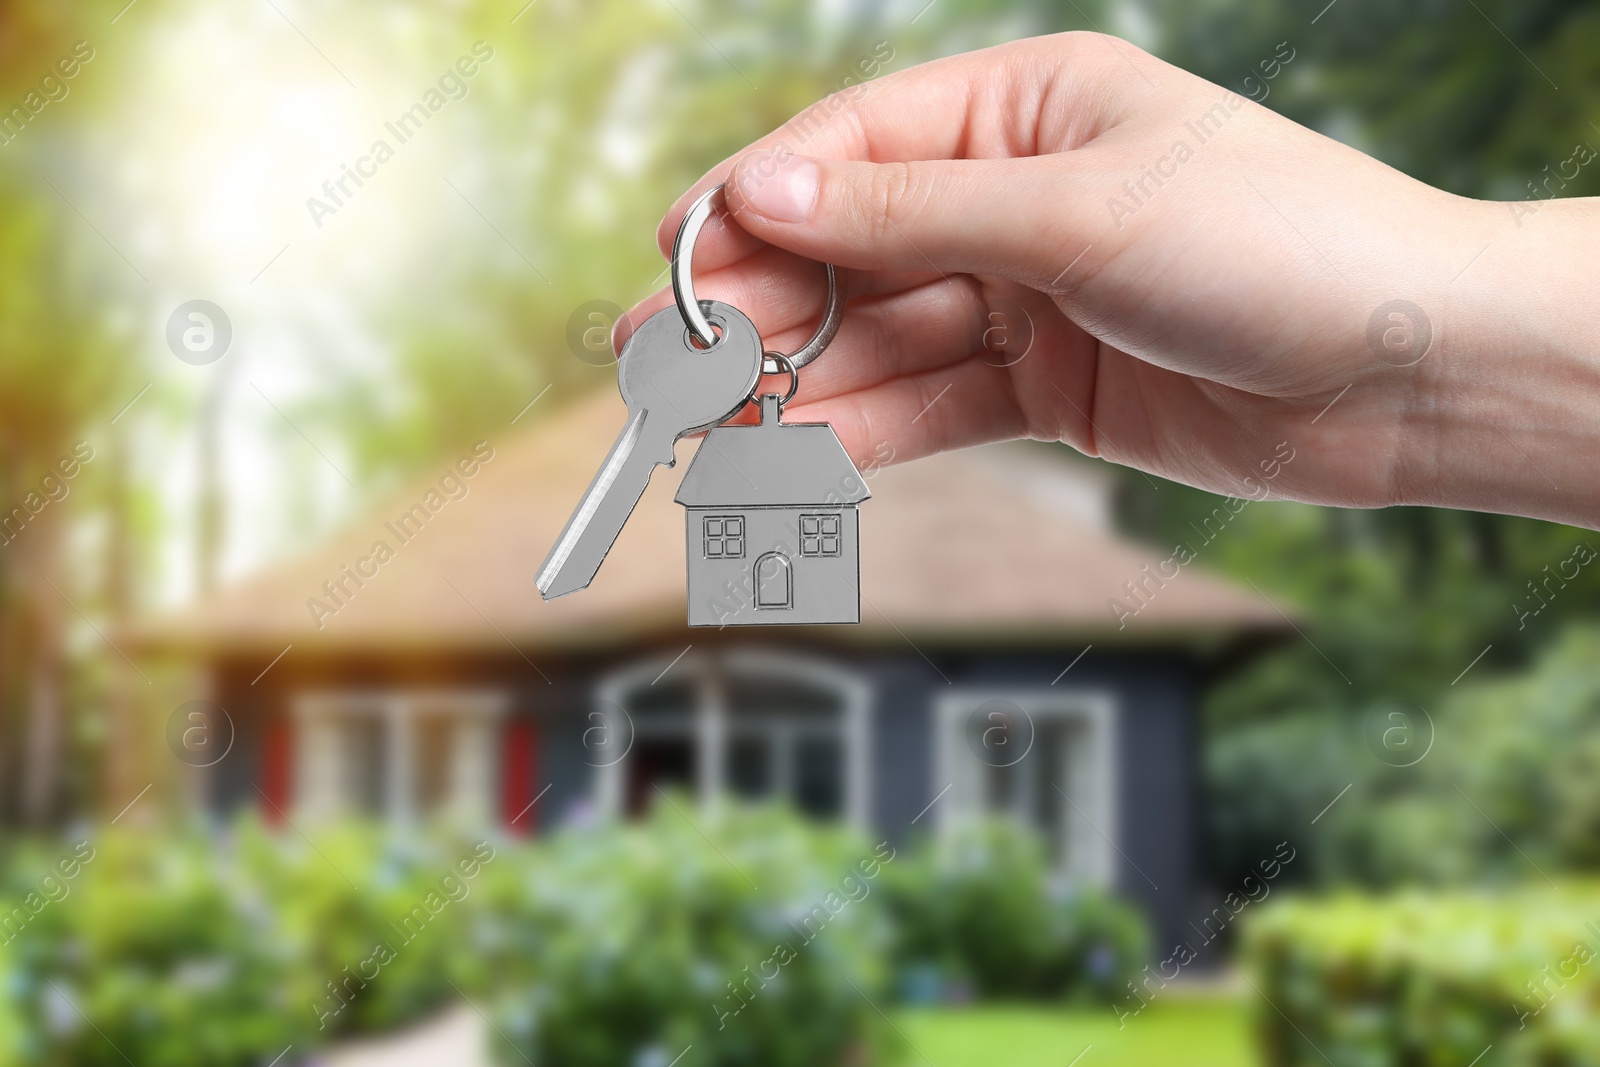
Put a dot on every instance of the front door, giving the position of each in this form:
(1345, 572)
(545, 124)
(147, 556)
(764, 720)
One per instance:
(757, 726)
(774, 579)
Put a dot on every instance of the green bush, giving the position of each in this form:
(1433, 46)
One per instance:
(975, 915)
(154, 958)
(753, 935)
(222, 951)
(759, 943)
(382, 937)
(1430, 979)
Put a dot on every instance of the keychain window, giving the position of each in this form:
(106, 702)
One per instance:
(819, 535)
(724, 537)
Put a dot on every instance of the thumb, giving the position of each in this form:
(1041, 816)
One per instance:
(1009, 217)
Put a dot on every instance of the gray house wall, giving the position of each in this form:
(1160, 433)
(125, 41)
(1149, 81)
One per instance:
(723, 591)
(1154, 694)
(1157, 798)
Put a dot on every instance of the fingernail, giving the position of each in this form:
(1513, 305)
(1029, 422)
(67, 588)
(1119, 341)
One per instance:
(782, 188)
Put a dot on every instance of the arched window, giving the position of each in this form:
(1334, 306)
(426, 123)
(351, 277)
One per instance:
(755, 725)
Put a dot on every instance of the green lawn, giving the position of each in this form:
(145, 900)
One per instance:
(1192, 1032)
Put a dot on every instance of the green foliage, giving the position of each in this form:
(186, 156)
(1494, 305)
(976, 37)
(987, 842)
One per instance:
(752, 934)
(1509, 785)
(174, 952)
(155, 957)
(1524, 751)
(1194, 1031)
(979, 912)
(401, 895)
(599, 115)
(1462, 96)
(1394, 606)
(1430, 979)
(631, 945)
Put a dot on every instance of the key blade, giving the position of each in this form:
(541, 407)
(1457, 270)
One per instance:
(605, 507)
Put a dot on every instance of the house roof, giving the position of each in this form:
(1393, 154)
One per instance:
(771, 464)
(1003, 542)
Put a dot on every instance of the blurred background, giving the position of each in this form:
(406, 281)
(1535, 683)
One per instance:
(304, 311)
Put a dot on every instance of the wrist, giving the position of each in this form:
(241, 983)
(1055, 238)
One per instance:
(1507, 415)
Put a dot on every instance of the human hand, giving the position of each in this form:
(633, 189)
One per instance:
(1203, 281)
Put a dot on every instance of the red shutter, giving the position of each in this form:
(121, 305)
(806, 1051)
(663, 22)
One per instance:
(517, 773)
(277, 768)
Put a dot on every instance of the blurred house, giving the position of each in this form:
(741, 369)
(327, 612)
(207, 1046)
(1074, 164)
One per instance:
(409, 669)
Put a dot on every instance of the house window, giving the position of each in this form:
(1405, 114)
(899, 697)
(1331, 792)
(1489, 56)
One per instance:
(819, 535)
(724, 537)
(774, 581)
(1045, 759)
(400, 756)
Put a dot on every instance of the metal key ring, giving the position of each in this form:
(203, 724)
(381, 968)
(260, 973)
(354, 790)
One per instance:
(782, 364)
(694, 317)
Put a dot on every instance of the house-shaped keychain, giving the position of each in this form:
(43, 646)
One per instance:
(772, 527)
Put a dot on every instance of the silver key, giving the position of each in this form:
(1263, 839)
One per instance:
(672, 389)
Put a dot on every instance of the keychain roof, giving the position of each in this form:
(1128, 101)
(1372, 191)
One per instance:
(780, 464)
